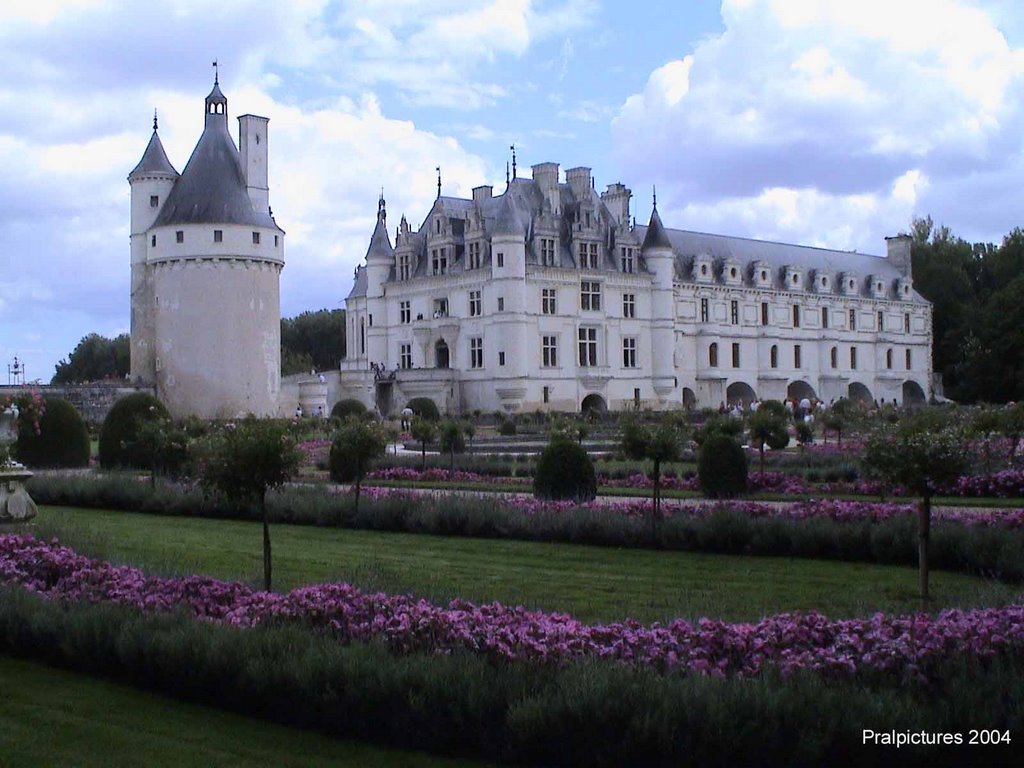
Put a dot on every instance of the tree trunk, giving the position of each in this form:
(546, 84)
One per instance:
(656, 506)
(762, 460)
(451, 470)
(267, 564)
(359, 482)
(423, 456)
(924, 524)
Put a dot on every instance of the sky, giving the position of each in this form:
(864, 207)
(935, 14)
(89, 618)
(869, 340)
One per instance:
(820, 122)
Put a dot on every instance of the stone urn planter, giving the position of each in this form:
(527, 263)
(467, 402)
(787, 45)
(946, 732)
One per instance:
(15, 503)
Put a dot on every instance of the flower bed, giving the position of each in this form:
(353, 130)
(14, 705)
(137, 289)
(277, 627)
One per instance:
(436, 475)
(907, 647)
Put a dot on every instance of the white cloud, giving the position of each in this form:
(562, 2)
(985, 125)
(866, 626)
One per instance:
(872, 110)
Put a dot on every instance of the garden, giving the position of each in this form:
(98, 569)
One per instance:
(634, 589)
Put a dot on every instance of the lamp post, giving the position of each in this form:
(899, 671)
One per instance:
(16, 372)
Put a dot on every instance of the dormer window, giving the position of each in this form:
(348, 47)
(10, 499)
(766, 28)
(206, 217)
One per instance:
(403, 267)
(793, 278)
(627, 258)
(438, 223)
(849, 283)
(731, 273)
(822, 282)
(702, 269)
(761, 274)
(439, 261)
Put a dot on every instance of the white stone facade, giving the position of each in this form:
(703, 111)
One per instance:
(548, 297)
(206, 259)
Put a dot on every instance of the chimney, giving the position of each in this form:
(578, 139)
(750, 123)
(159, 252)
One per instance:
(252, 147)
(898, 253)
(482, 193)
(579, 181)
(616, 198)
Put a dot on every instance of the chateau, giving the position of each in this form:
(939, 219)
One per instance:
(206, 259)
(547, 296)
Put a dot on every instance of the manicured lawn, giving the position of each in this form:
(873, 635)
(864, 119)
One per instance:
(593, 583)
(52, 717)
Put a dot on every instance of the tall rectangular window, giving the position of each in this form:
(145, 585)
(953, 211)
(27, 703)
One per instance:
(474, 255)
(405, 356)
(627, 258)
(405, 311)
(797, 356)
(547, 301)
(403, 267)
(629, 305)
(907, 357)
(501, 259)
(218, 235)
(593, 255)
(588, 347)
(547, 394)
(549, 351)
(154, 201)
(796, 315)
(735, 355)
(179, 236)
(703, 310)
(764, 313)
(629, 352)
(590, 295)
(853, 319)
(881, 321)
(475, 304)
(439, 261)
(501, 303)
(853, 357)
(476, 352)
(501, 358)
(824, 317)
(734, 312)
(906, 322)
(255, 238)
(588, 255)
(547, 252)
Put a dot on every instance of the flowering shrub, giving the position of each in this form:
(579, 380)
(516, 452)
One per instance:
(437, 475)
(906, 647)
(315, 452)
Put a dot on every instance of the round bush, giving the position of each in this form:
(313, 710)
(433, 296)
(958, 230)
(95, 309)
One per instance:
(348, 407)
(62, 440)
(425, 408)
(507, 428)
(565, 471)
(118, 433)
(722, 467)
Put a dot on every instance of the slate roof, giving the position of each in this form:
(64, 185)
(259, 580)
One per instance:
(154, 159)
(655, 237)
(212, 188)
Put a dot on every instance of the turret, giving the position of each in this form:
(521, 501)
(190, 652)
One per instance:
(657, 251)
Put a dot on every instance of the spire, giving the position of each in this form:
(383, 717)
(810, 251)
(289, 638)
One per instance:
(508, 221)
(654, 196)
(513, 148)
(438, 169)
(507, 177)
(656, 236)
(216, 102)
(382, 214)
(154, 159)
(216, 73)
(380, 243)
(154, 120)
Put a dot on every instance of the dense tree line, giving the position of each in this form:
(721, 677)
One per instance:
(312, 340)
(94, 359)
(977, 291)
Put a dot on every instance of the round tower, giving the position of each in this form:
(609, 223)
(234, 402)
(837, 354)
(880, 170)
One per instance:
(657, 251)
(151, 182)
(214, 256)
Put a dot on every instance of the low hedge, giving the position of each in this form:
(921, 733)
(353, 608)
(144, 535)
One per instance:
(587, 714)
(992, 552)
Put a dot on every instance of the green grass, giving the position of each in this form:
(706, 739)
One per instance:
(53, 717)
(592, 583)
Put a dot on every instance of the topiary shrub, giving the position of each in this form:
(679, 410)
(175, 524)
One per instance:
(425, 408)
(118, 436)
(565, 471)
(507, 428)
(349, 407)
(722, 467)
(62, 440)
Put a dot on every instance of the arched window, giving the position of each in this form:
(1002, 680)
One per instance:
(834, 355)
(774, 356)
(908, 357)
(713, 355)
(888, 358)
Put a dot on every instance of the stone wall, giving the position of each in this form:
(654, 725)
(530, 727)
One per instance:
(93, 401)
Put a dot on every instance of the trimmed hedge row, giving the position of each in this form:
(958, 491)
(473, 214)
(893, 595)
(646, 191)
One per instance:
(987, 551)
(589, 714)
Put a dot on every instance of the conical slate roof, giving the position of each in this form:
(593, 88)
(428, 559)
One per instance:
(508, 221)
(212, 188)
(380, 242)
(656, 236)
(154, 159)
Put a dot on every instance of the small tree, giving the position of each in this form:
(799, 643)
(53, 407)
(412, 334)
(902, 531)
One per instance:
(768, 426)
(722, 467)
(246, 460)
(452, 439)
(661, 442)
(423, 431)
(564, 471)
(357, 442)
(839, 417)
(922, 459)
(162, 448)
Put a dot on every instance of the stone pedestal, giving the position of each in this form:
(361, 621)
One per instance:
(15, 504)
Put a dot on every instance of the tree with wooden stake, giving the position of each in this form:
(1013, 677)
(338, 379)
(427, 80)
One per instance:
(423, 431)
(356, 443)
(247, 459)
(661, 443)
(769, 426)
(922, 459)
